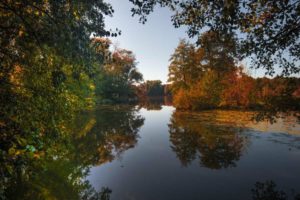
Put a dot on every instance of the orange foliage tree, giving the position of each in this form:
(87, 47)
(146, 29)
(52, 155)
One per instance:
(238, 89)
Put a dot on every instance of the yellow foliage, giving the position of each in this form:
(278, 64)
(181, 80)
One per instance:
(181, 99)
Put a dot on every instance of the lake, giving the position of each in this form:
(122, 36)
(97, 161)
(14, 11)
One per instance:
(160, 153)
(154, 152)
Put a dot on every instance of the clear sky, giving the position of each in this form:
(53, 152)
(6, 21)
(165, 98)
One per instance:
(152, 43)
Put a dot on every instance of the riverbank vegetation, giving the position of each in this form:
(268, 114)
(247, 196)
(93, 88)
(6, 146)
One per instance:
(207, 77)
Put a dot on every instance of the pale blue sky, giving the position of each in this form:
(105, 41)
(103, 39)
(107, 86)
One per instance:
(153, 42)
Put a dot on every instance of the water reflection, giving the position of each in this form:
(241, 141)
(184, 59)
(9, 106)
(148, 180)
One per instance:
(99, 137)
(155, 103)
(216, 146)
(115, 130)
(224, 152)
(52, 179)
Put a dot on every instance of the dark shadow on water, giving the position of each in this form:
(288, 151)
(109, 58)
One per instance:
(268, 191)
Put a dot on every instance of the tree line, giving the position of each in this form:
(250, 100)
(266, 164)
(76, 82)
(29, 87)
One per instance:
(207, 77)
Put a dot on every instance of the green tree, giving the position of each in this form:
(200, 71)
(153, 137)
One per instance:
(46, 65)
(154, 88)
(118, 76)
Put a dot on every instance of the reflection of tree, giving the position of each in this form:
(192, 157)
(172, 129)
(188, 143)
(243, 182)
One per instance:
(217, 146)
(152, 103)
(116, 130)
(54, 179)
(155, 103)
(61, 173)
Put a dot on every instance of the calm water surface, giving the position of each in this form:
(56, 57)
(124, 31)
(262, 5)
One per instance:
(166, 154)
